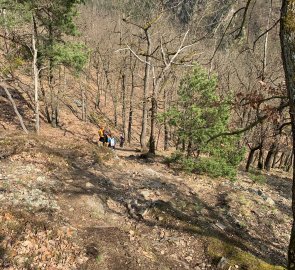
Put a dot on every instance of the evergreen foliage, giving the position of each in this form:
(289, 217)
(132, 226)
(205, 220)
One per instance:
(73, 55)
(53, 21)
(199, 115)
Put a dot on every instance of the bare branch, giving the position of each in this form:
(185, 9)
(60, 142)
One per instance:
(264, 33)
(128, 48)
(240, 131)
(244, 18)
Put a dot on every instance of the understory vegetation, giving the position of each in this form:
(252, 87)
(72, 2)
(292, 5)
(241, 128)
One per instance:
(208, 85)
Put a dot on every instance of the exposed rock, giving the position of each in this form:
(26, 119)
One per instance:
(146, 194)
(89, 185)
(270, 201)
(94, 203)
(115, 206)
(223, 264)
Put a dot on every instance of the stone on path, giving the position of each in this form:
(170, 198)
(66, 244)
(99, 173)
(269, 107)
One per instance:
(89, 185)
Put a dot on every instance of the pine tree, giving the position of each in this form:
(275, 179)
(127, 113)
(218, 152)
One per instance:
(200, 115)
(52, 22)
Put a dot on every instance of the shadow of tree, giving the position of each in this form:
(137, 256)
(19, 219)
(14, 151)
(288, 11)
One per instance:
(282, 185)
(178, 217)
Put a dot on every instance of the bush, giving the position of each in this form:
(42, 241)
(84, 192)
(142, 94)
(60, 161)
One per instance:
(216, 167)
(257, 177)
(188, 164)
(176, 157)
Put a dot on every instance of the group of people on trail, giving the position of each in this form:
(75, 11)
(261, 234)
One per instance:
(107, 139)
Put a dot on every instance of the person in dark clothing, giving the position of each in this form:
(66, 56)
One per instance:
(106, 138)
(122, 140)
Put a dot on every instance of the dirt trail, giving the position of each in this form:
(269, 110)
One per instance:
(132, 213)
(120, 211)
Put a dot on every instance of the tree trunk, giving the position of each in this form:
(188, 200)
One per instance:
(287, 38)
(251, 157)
(289, 165)
(166, 136)
(281, 160)
(166, 131)
(15, 109)
(189, 147)
(124, 105)
(183, 145)
(287, 160)
(51, 77)
(268, 159)
(255, 158)
(145, 92)
(260, 159)
(130, 120)
(97, 101)
(36, 79)
(265, 46)
(152, 146)
(83, 101)
(275, 159)
(6, 30)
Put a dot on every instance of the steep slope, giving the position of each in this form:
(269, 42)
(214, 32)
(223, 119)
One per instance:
(70, 204)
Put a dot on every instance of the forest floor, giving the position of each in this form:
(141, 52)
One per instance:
(71, 204)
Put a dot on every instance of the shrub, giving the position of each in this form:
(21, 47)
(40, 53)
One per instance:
(257, 177)
(216, 167)
(176, 157)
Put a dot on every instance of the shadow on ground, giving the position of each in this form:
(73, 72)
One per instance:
(177, 217)
(180, 213)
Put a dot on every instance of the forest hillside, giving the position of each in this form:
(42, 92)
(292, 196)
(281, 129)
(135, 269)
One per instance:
(198, 98)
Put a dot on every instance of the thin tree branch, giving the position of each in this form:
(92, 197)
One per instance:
(264, 33)
(244, 18)
(240, 131)
(15, 108)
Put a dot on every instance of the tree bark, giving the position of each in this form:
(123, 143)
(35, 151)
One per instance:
(15, 109)
(275, 159)
(124, 104)
(287, 38)
(145, 91)
(289, 165)
(287, 160)
(251, 157)
(83, 102)
(281, 160)
(260, 159)
(166, 131)
(130, 120)
(97, 101)
(152, 145)
(265, 46)
(36, 80)
(269, 156)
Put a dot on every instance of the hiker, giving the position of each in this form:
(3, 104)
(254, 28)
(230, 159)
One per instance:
(105, 136)
(101, 134)
(122, 140)
(112, 142)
